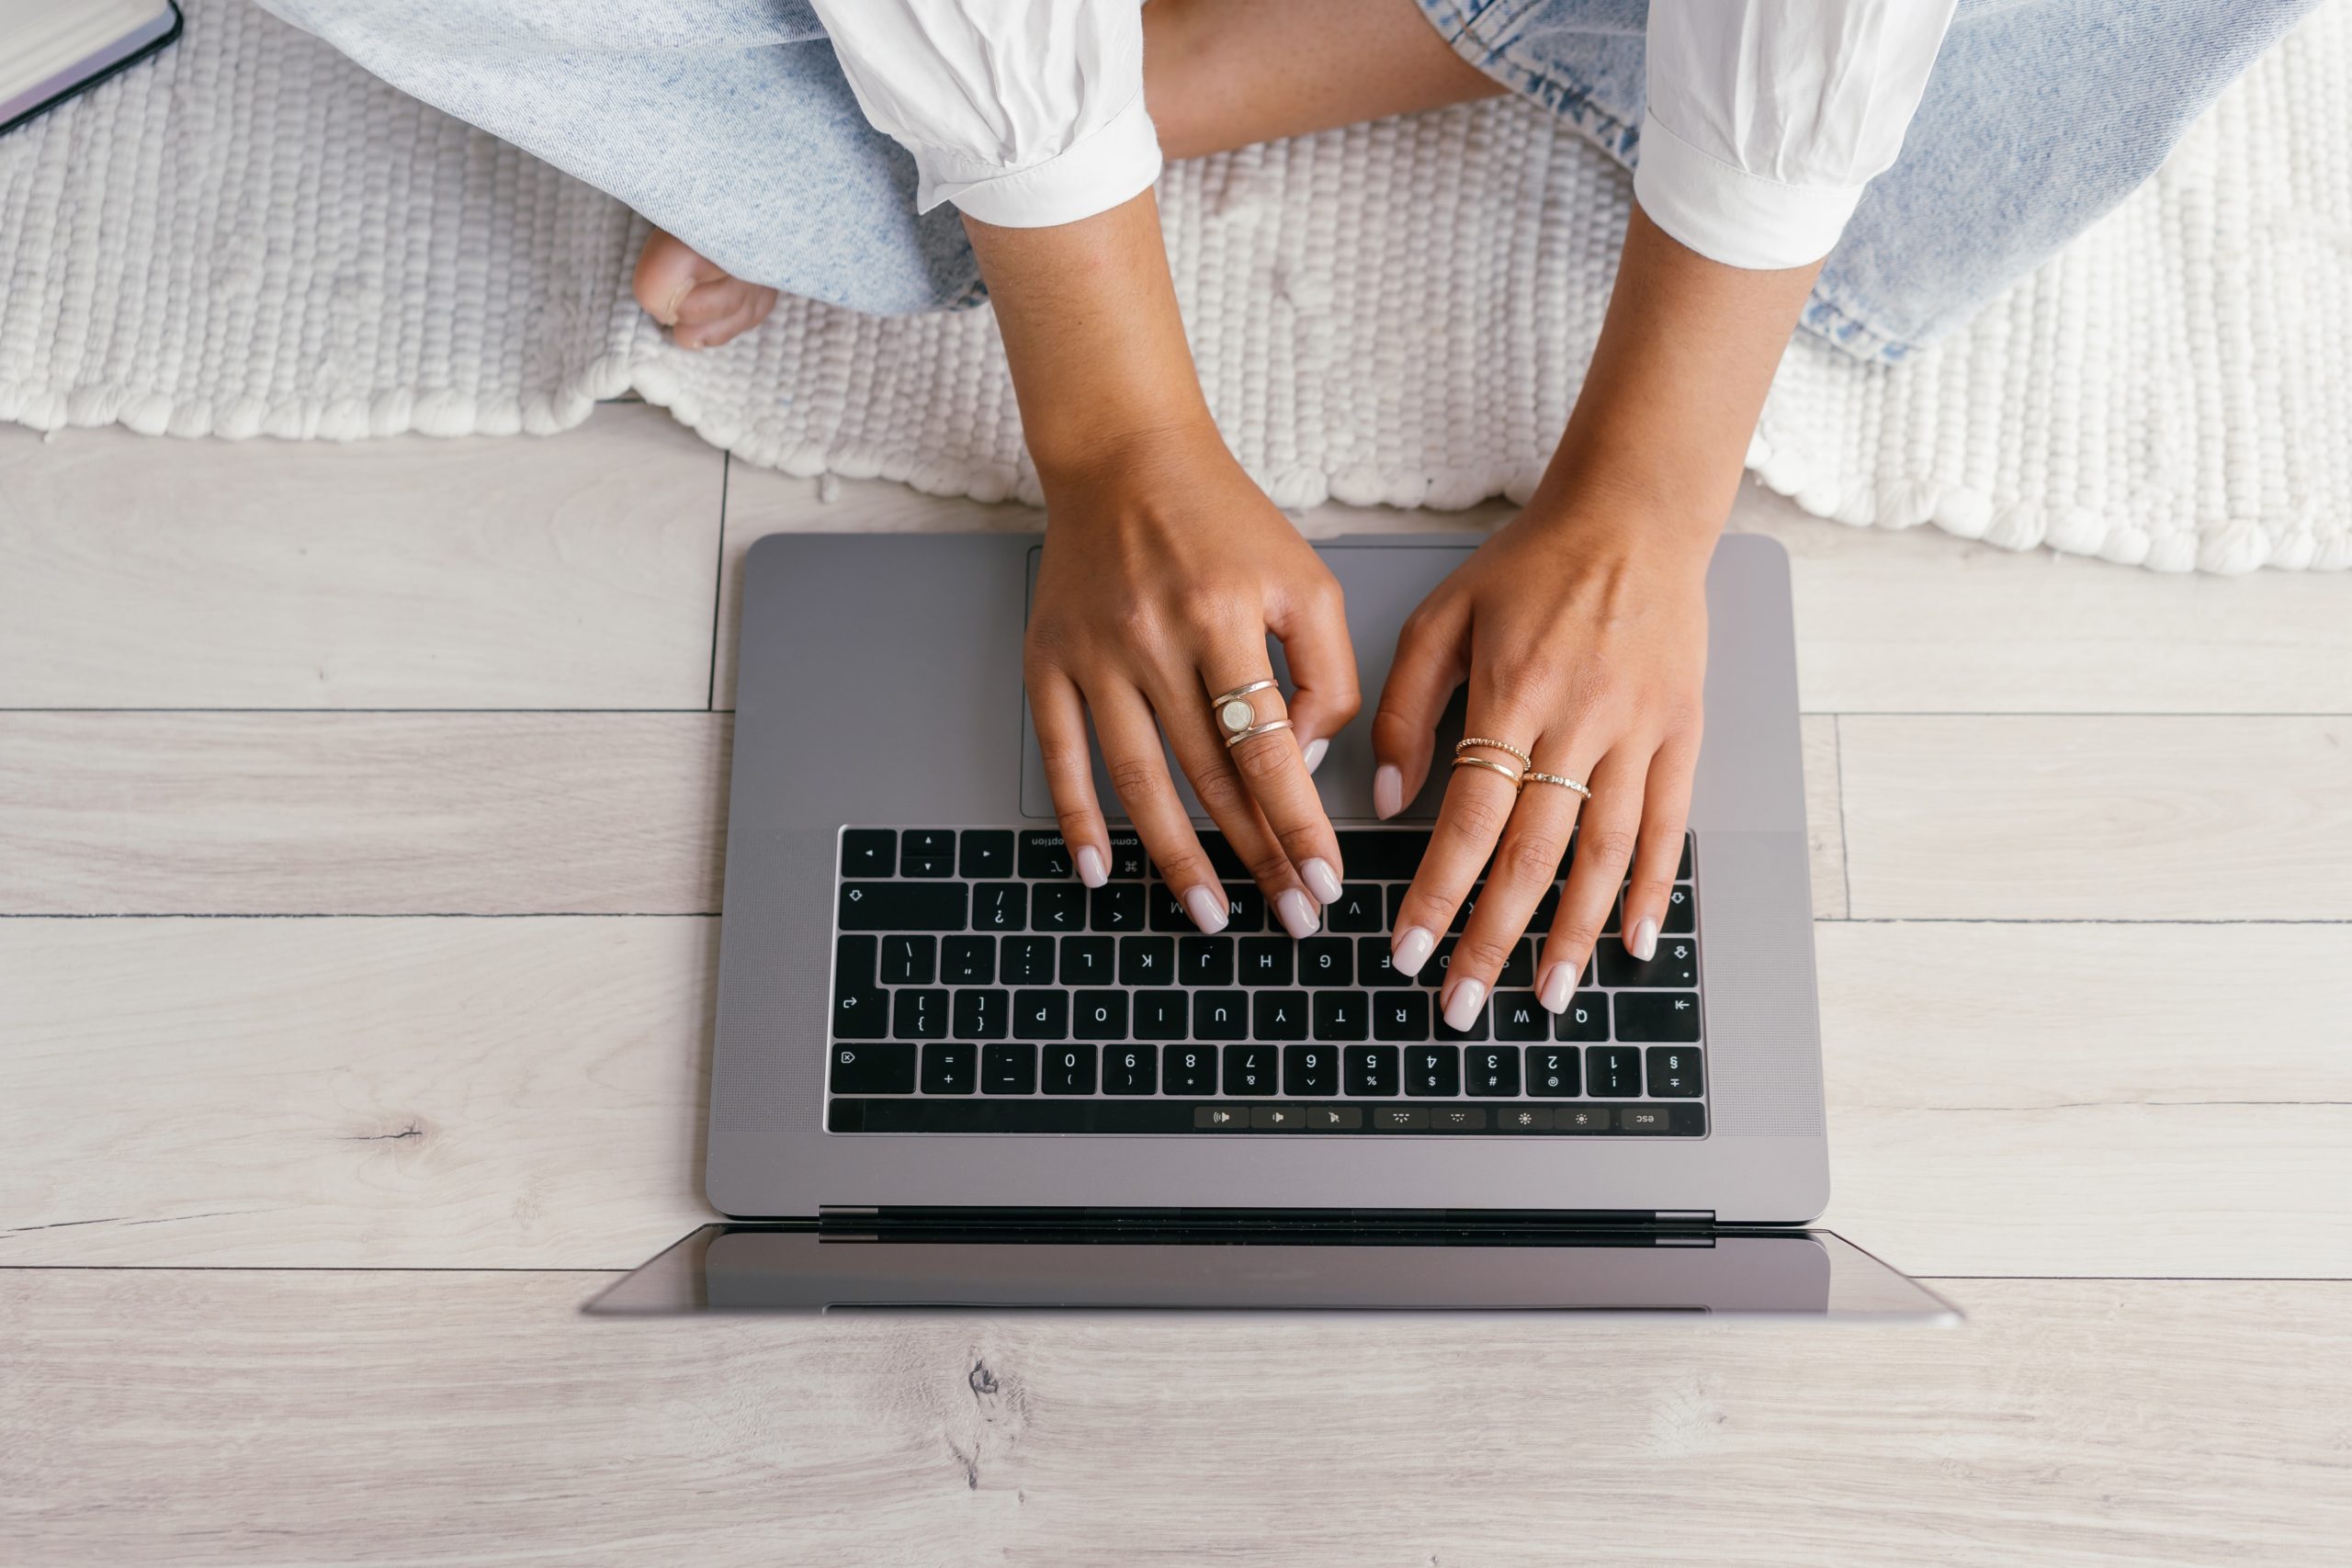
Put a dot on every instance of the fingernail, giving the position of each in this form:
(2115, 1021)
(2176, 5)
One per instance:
(1314, 754)
(1322, 880)
(1559, 984)
(1643, 943)
(1414, 946)
(1090, 866)
(668, 316)
(1207, 909)
(1298, 916)
(1387, 791)
(1462, 1008)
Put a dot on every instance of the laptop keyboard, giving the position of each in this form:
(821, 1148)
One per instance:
(979, 988)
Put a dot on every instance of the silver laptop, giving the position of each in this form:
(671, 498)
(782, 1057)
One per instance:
(947, 1073)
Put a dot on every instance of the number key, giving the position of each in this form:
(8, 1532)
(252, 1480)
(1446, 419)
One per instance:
(1191, 1070)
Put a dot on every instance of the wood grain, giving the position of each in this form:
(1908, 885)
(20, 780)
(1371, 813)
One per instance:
(323, 813)
(1824, 817)
(527, 1092)
(2097, 818)
(570, 572)
(473, 1418)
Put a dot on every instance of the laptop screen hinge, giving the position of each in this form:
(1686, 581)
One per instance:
(1044, 1223)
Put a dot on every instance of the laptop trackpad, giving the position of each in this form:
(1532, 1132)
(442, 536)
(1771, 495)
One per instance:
(1383, 581)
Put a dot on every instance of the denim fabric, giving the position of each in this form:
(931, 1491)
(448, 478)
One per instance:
(729, 123)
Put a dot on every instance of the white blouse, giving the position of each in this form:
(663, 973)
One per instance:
(1766, 119)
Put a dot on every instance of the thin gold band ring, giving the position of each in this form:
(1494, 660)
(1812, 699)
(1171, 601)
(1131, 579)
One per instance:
(1524, 760)
(1490, 767)
(1535, 777)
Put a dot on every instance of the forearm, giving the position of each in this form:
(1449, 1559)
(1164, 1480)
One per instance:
(1686, 357)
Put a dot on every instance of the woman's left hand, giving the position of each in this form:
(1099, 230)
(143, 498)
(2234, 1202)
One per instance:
(1582, 631)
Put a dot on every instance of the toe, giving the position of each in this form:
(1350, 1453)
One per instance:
(667, 270)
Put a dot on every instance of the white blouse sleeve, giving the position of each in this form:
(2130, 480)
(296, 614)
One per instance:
(1021, 112)
(1767, 118)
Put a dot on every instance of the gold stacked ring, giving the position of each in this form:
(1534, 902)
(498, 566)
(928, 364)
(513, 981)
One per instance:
(1556, 779)
(1524, 760)
(1491, 767)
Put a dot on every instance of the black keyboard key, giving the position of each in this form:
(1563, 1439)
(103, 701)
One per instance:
(1130, 1069)
(869, 852)
(1433, 1070)
(1220, 1015)
(1245, 907)
(919, 1014)
(1127, 857)
(909, 960)
(1147, 961)
(1371, 1071)
(1468, 907)
(1044, 857)
(1396, 892)
(873, 1067)
(1250, 1070)
(1000, 906)
(1384, 854)
(967, 960)
(1358, 909)
(1614, 1071)
(1040, 1015)
(902, 906)
(1493, 1070)
(1118, 909)
(950, 1067)
(1585, 1018)
(1026, 960)
(1205, 960)
(981, 1014)
(1266, 960)
(1373, 967)
(1519, 1016)
(1673, 1072)
(1310, 1069)
(1222, 858)
(1162, 1015)
(1553, 1071)
(1519, 969)
(1009, 1069)
(927, 852)
(1327, 960)
(1673, 967)
(1099, 1016)
(1439, 964)
(1279, 1015)
(860, 1012)
(1401, 1015)
(1069, 1070)
(1168, 912)
(1343, 1015)
(1089, 960)
(984, 855)
(1668, 1016)
(1681, 911)
(854, 958)
(1682, 874)
(1191, 1070)
(1058, 907)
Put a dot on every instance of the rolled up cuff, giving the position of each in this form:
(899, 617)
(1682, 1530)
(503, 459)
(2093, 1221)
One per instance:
(1728, 215)
(1115, 163)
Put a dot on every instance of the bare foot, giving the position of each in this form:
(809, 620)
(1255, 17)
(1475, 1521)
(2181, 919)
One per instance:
(701, 303)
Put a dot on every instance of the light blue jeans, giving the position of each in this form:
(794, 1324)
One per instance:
(729, 123)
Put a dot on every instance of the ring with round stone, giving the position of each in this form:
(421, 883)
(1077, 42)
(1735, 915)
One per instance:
(1237, 716)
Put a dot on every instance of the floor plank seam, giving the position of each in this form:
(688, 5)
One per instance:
(719, 579)
(1844, 845)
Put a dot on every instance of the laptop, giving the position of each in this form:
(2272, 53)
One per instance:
(948, 1075)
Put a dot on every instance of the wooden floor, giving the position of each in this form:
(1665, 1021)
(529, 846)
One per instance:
(361, 820)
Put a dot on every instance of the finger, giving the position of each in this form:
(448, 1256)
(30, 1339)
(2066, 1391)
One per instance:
(1433, 656)
(1666, 806)
(1273, 769)
(1059, 716)
(1313, 627)
(1478, 802)
(1604, 845)
(1525, 867)
(1138, 769)
(1227, 780)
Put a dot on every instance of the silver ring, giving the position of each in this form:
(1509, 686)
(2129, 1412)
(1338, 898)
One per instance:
(1255, 730)
(1235, 715)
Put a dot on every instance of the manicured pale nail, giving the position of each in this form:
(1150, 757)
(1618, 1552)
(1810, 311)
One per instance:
(1462, 1008)
(1322, 880)
(1090, 866)
(1559, 985)
(1643, 943)
(1313, 754)
(1387, 791)
(1414, 946)
(1297, 915)
(668, 315)
(1207, 909)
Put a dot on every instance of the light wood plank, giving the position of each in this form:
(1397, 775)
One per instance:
(394, 1092)
(1824, 824)
(2010, 1101)
(2136, 819)
(570, 572)
(145, 813)
(471, 1418)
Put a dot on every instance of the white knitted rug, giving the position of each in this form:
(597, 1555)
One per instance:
(251, 236)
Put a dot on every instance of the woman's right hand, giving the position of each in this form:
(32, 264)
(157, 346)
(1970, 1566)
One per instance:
(1165, 567)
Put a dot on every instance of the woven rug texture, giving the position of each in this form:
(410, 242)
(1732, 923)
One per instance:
(251, 236)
